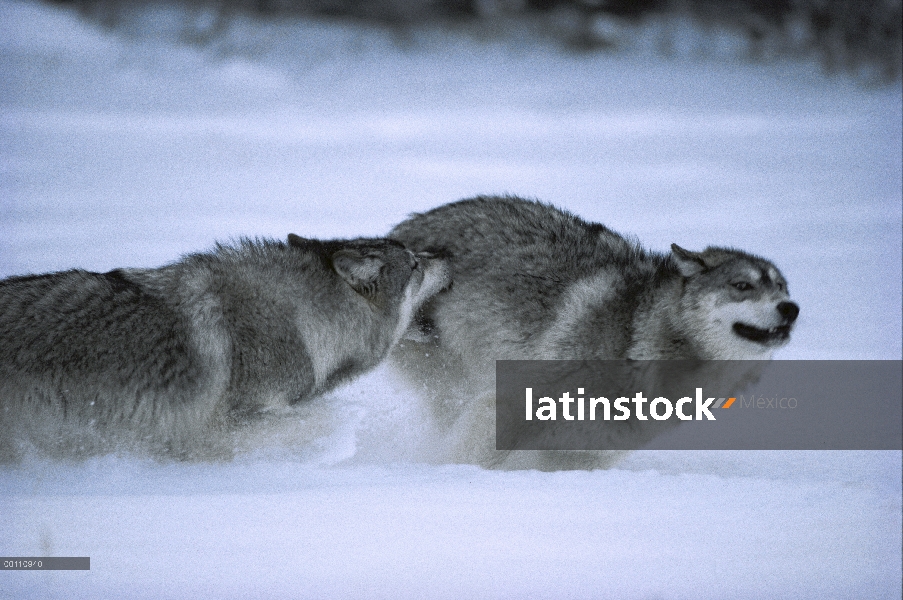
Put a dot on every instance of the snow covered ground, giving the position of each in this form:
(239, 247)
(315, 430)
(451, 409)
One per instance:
(128, 149)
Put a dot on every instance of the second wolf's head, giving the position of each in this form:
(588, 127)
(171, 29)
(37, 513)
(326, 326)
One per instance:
(733, 305)
(384, 272)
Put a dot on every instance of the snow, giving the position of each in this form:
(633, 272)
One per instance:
(129, 149)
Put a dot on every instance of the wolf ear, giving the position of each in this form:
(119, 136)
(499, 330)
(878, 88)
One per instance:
(360, 272)
(688, 263)
(297, 240)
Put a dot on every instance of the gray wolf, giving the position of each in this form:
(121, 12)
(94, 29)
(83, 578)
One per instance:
(165, 359)
(536, 282)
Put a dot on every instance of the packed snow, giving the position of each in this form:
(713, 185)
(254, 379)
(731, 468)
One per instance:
(129, 148)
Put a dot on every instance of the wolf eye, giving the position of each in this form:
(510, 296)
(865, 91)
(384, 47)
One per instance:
(742, 286)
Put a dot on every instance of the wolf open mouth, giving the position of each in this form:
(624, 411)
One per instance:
(762, 336)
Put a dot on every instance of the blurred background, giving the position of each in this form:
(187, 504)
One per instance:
(844, 35)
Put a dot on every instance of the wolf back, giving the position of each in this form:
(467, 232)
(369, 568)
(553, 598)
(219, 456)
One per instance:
(535, 282)
(160, 356)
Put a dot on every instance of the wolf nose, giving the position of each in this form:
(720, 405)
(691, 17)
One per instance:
(789, 310)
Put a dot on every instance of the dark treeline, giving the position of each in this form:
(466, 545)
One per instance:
(843, 34)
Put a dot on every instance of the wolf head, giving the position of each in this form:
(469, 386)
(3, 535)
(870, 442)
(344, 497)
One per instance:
(733, 305)
(384, 272)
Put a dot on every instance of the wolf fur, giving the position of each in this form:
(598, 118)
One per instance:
(167, 359)
(536, 282)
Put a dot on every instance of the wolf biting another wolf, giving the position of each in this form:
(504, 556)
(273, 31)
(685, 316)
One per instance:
(166, 359)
